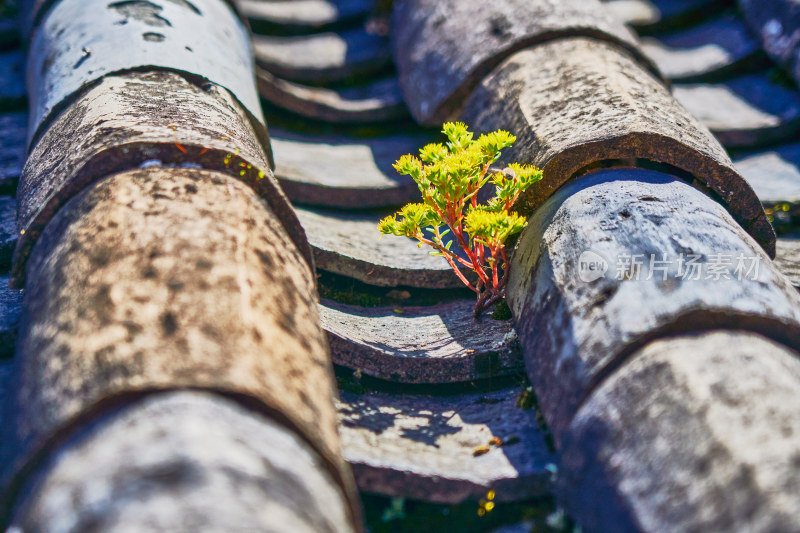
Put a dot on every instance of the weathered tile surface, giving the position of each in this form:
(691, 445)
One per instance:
(344, 172)
(695, 433)
(207, 293)
(323, 57)
(417, 447)
(574, 329)
(774, 174)
(373, 102)
(706, 52)
(145, 280)
(184, 461)
(439, 63)
(575, 102)
(435, 344)
(81, 41)
(788, 259)
(745, 111)
(143, 119)
(290, 16)
(423, 447)
(348, 244)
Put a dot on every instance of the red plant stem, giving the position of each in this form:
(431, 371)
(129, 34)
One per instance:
(511, 201)
(446, 253)
(433, 206)
(492, 294)
(461, 276)
(444, 250)
(455, 224)
(479, 308)
(476, 265)
(504, 281)
(506, 271)
(495, 282)
(479, 247)
(456, 227)
(488, 303)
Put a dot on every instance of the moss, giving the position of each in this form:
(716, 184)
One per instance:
(527, 400)
(501, 311)
(350, 297)
(351, 384)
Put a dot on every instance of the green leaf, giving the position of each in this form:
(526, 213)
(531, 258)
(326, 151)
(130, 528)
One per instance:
(408, 165)
(458, 134)
(433, 152)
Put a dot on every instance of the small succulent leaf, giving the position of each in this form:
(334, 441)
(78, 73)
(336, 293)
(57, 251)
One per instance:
(433, 152)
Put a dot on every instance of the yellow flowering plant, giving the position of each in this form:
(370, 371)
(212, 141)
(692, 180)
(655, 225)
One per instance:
(450, 176)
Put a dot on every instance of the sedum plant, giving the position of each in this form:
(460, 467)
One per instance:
(450, 176)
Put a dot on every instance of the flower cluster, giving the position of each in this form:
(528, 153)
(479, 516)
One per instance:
(450, 176)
